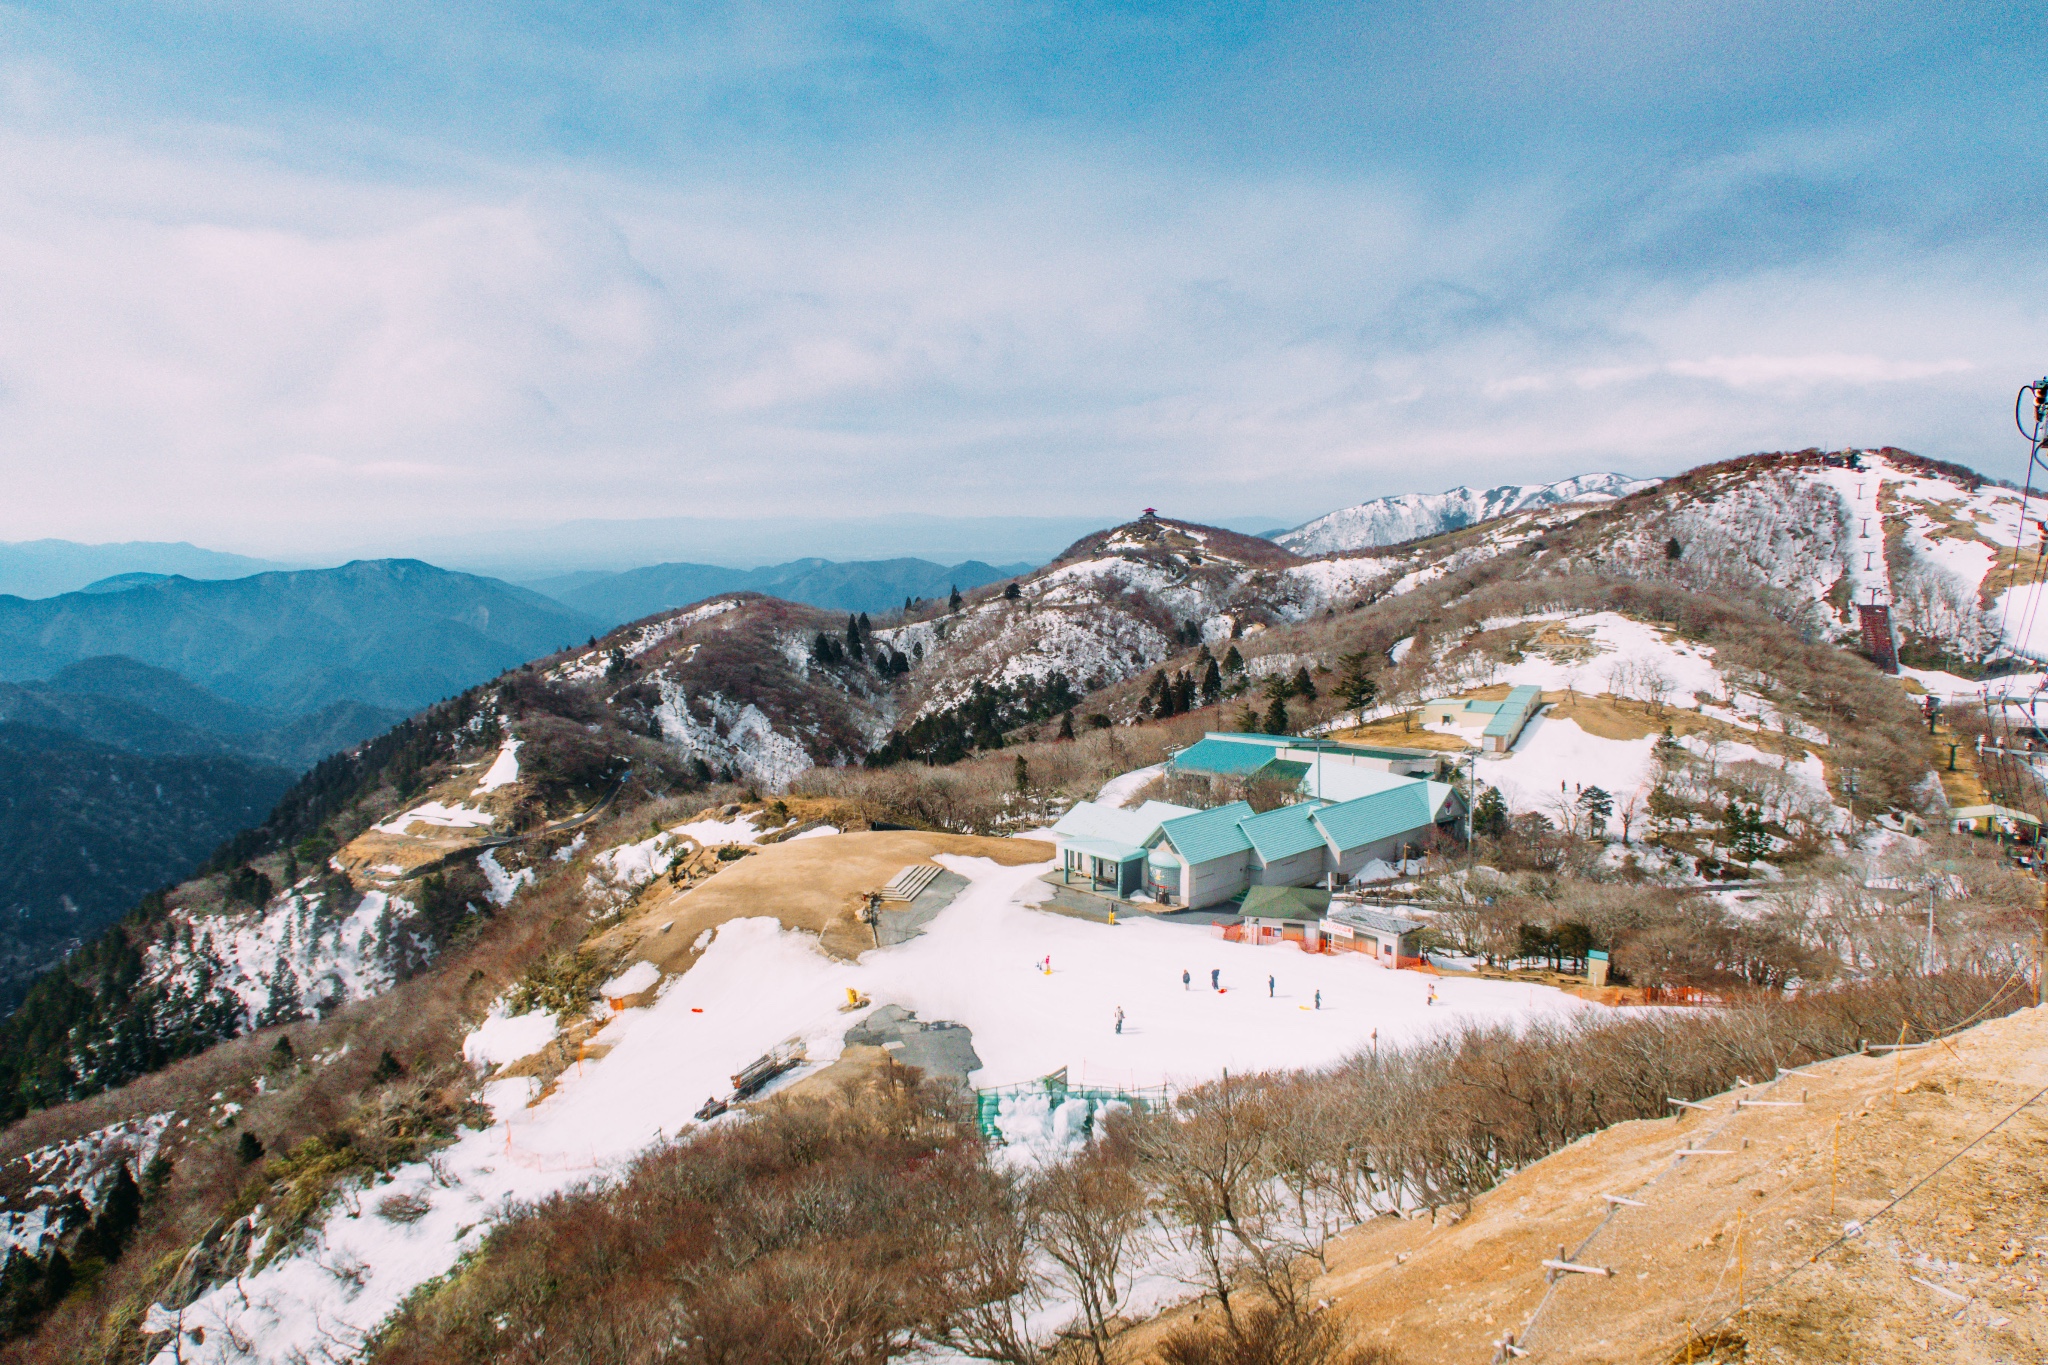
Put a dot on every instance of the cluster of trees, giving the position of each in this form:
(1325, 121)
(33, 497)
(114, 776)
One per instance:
(856, 644)
(1200, 685)
(878, 1230)
(980, 722)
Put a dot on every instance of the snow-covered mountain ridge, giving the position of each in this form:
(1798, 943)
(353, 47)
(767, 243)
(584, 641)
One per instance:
(1404, 517)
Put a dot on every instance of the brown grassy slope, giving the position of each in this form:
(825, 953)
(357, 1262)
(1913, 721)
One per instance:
(1718, 1251)
(812, 884)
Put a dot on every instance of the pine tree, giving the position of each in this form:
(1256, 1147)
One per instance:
(1233, 662)
(1276, 717)
(249, 1149)
(1183, 692)
(1023, 774)
(387, 1069)
(953, 602)
(1490, 814)
(1212, 684)
(1067, 724)
(906, 606)
(1597, 806)
(866, 628)
(853, 647)
(1672, 549)
(1012, 593)
(1304, 685)
(1355, 683)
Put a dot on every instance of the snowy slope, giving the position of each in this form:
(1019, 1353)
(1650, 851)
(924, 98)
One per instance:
(757, 985)
(1411, 516)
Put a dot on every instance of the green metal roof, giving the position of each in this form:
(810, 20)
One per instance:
(1383, 815)
(1514, 712)
(1209, 834)
(1225, 756)
(1287, 770)
(1282, 833)
(1285, 902)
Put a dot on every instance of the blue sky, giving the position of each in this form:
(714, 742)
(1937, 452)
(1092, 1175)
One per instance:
(300, 279)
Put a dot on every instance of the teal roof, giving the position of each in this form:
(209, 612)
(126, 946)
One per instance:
(1282, 833)
(1284, 902)
(1383, 815)
(1210, 834)
(1287, 770)
(1514, 712)
(1226, 756)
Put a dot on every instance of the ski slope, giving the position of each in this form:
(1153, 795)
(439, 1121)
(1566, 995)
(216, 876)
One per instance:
(979, 962)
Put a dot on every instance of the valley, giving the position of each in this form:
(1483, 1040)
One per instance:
(440, 1021)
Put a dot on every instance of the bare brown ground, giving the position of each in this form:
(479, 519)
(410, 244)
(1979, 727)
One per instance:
(1734, 1257)
(815, 884)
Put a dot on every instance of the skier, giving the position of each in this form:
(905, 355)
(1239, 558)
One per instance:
(1215, 978)
(1269, 987)
(1119, 1018)
(1184, 978)
(1432, 994)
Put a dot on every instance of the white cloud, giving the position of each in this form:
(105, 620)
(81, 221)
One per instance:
(199, 342)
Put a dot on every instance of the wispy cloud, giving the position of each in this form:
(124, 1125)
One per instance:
(215, 327)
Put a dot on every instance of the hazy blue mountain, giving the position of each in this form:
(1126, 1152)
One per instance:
(88, 828)
(129, 705)
(873, 585)
(45, 568)
(389, 634)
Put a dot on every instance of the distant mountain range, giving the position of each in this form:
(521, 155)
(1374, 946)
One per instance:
(393, 634)
(1412, 516)
(45, 568)
(876, 585)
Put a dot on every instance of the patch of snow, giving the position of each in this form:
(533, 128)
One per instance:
(633, 980)
(1118, 791)
(503, 1037)
(457, 816)
(504, 884)
(816, 833)
(504, 769)
(711, 833)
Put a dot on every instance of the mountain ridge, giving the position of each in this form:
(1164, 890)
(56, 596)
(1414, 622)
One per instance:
(1402, 517)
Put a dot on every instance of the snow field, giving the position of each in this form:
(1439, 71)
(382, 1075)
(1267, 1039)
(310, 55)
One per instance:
(457, 816)
(504, 770)
(758, 984)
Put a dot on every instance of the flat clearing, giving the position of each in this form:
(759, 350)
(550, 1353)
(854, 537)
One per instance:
(813, 884)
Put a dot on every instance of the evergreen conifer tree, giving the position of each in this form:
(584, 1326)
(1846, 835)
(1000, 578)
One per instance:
(1304, 685)
(1233, 662)
(1276, 717)
(1012, 593)
(953, 602)
(1023, 770)
(1490, 814)
(853, 636)
(1067, 724)
(1212, 684)
(249, 1149)
(1597, 806)
(1183, 692)
(866, 628)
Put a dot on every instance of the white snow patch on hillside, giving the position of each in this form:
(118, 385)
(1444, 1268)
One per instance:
(741, 829)
(625, 869)
(504, 884)
(2026, 624)
(632, 981)
(758, 984)
(739, 736)
(1555, 758)
(502, 1037)
(435, 813)
(504, 770)
(1119, 790)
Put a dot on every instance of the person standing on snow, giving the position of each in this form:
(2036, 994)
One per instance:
(1119, 1018)
(1269, 987)
(1215, 978)
(1432, 994)
(1319, 1005)
(1184, 978)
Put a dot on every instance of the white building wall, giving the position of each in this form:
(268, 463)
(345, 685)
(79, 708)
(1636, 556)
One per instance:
(1299, 870)
(1214, 881)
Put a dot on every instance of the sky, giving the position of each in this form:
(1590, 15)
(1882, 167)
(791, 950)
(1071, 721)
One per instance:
(305, 280)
